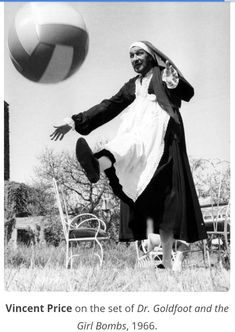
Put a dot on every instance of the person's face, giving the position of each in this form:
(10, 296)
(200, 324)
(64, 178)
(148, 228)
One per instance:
(141, 61)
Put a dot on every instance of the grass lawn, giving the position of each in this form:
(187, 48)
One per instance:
(43, 269)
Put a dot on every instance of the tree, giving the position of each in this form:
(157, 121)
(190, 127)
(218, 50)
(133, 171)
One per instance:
(80, 194)
(23, 200)
(212, 179)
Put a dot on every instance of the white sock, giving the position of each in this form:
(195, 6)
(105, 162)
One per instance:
(105, 163)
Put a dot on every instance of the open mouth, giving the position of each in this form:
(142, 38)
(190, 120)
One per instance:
(137, 66)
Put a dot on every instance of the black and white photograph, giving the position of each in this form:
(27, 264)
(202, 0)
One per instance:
(116, 147)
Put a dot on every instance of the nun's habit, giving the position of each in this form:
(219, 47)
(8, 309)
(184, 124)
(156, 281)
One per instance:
(150, 171)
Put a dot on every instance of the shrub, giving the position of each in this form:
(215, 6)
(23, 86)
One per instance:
(53, 231)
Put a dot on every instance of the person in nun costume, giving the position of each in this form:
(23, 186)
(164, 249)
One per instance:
(146, 162)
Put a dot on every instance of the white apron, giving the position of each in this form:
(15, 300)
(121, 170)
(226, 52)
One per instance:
(139, 143)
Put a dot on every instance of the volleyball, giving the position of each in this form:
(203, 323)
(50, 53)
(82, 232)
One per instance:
(48, 42)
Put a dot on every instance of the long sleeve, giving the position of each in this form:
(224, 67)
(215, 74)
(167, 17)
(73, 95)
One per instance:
(105, 111)
(183, 91)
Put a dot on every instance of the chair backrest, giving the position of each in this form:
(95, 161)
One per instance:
(223, 216)
(216, 218)
(62, 206)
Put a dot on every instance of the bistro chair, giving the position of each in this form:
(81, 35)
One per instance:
(217, 221)
(85, 227)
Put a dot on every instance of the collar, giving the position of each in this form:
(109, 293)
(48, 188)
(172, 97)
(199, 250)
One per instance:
(147, 75)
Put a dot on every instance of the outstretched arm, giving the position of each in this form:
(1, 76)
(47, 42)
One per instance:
(98, 115)
(107, 110)
(59, 132)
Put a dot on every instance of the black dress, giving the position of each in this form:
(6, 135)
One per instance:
(170, 198)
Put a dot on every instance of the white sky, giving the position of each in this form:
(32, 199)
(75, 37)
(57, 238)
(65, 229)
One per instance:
(194, 35)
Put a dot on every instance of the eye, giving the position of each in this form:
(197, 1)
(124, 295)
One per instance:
(140, 52)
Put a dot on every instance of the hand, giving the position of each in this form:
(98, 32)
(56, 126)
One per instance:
(170, 71)
(170, 76)
(60, 132)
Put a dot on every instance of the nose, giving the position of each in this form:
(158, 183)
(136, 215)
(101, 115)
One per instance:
(134, 58)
